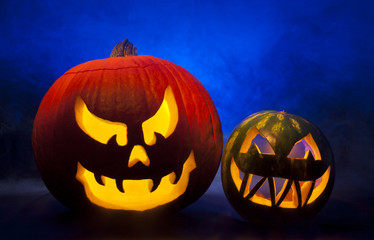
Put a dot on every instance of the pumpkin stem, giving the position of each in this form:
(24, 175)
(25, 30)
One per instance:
(124, 49)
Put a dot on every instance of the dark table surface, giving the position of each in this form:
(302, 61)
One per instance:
(29, 211)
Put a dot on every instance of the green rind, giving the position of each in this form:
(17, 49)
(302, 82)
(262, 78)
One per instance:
(282, 130)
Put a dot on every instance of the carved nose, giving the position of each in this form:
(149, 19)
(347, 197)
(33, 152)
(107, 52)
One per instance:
(138, 154)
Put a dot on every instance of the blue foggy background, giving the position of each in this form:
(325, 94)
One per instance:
(314, 59)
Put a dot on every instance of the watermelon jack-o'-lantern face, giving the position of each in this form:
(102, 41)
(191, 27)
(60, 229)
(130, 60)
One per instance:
(131, 133)
(277, 165)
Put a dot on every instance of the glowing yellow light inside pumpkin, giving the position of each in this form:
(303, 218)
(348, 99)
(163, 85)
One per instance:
(248, 140)
(99, 129)
(303, 146)
(137, 195)
(321, 187)
(262, 144)
(234, 170)
(305, 188)
(309, 139)
(138, 154)
(164, 121)
(291, 199)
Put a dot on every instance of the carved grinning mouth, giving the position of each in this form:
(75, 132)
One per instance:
(263, 175)
(142, 194)
(138, 194)
(293, 193)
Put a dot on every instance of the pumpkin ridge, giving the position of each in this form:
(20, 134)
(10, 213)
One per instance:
(146, 82)
(175, 74)
(120, 68)
(176, 82)
(174, 71)
(128, 90)
(214, 122)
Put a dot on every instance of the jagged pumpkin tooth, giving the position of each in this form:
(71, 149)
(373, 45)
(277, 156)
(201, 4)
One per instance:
(136, 118)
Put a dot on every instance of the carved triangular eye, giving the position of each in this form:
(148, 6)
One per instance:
(305, 148)
(97, 128)
(254, 151)
(164, 121)
(255, 139)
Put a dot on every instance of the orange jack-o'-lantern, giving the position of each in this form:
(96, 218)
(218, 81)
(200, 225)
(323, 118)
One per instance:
(277, 166)
(134, 133)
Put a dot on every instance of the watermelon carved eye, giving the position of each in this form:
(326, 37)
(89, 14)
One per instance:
(254, 139)
(303, 147)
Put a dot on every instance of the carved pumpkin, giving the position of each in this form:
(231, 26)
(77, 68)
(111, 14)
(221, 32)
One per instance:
(134, 133)
(277, 166)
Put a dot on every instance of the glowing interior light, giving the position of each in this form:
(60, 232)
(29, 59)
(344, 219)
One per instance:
(164, 121)
(305, 188)
(235, 174)
(137, 195)
(99, 129)
(291, 200)
(138, 154)
(287, 196)
(301, 148)
(248, 140)
(262, 144)
(259, 199)
(318, 190)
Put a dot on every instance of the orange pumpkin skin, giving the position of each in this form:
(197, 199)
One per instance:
(127, 90)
